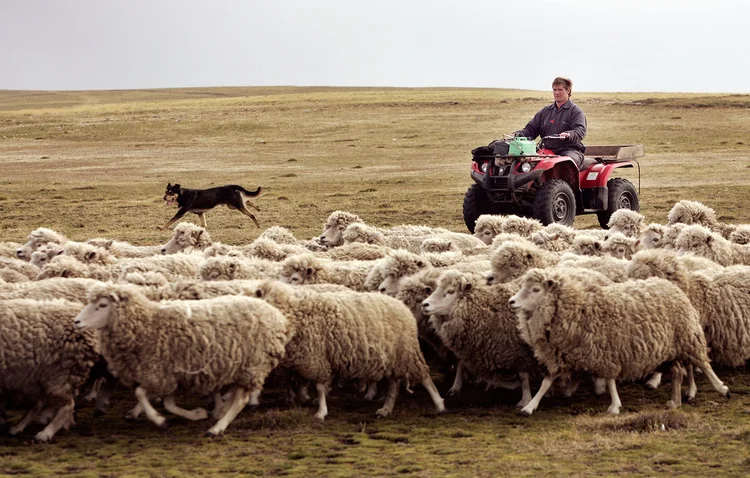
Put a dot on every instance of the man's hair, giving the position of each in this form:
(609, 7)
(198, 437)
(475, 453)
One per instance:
(565, 82)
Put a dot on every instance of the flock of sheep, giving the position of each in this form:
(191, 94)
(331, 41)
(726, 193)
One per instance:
(362, 306)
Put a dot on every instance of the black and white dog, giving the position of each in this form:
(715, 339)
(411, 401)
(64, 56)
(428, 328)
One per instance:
(199, 201)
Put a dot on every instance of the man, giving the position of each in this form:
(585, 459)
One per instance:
(562, 117)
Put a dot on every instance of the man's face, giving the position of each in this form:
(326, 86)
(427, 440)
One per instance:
(561, 94)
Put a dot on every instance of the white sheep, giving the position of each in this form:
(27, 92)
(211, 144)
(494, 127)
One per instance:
(74, 290)
(187, 237)
(229, 267)
(512, 259)
(44, 253)
(198, 347)
(703, 242)
(308, 269)
(741, 235)
(694, 212)
(38, 237)
(17, 270)
(43, 359)
(627, 222)
(522, 226)
(350, 336)
(123, 249)
(487, 227)
(621, 246)
(568, 322)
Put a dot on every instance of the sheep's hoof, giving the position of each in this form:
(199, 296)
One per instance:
(672, 405)
(728, 395)
(319, 416)
(613, 410)
(453, 392)
(382, 413)
(525, 412)
(160, 422)
(43, 436)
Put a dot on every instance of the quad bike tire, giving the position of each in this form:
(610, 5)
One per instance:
(477, 203)
(622, 195)
(555, 203)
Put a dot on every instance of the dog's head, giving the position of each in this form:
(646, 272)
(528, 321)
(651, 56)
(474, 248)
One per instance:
(172, 193)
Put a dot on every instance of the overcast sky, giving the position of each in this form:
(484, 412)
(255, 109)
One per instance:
(603, 45)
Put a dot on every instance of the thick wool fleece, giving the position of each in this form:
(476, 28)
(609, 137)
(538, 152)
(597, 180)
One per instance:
(721, 298)
(487, 227)
(617, 331)
(314, 270)
(512, 259)
(230, 267)
(522, 226)
(125, 249)
(273, 251)
(693, 212)
(482, 331)
(42, 356)
(195, 346)
(348, 335)
(187, 236)
(75, 290)
(627, 222)
(705, 243)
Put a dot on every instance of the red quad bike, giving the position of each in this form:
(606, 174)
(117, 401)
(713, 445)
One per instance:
(517, 176)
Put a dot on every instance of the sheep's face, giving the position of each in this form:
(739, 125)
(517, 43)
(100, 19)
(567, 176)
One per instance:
(298, 277)
(181, 240)
(35, 241)
(96, 314)
(41, 256)
(333, 235)
(540, 239)
(436, 245)
(211, 274)
(484, 233)
(443, 300)
(652, 239)
(587, 247)
(390, 285)
(530, 296)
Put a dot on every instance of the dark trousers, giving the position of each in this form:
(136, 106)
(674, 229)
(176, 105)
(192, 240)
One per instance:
(573, 154)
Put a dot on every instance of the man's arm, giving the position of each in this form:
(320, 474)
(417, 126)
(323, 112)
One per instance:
(532, 128)
(577, 125)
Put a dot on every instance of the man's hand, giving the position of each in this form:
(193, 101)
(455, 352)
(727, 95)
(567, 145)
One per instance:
(565, 135)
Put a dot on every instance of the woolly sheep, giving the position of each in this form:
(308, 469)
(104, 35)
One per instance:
(44, 360)
(611, 267)
(334, 227)
(88, 254)
(627, 222)
(186, 238)
(522, 226)
(587, 245)
(38, 237)
(694, 212)
(477, 326)
(228, 268)
(620, 246)
(438, 244)
(273, 251)
(569, 324)
(9, 249)
(703, 242)
(67, 266)
(504, 237)
(554, 237)
(384, 277)
(17, 270)
(360, 232)
(741, 235)
(172, 266)
(511, 260)
(123, 249)
(44, 253)
(356, 252)
(74, 290)
(282, 235)
(308, 269)
(350, 336)
(487, 227)
(198, 347)
(721, 298)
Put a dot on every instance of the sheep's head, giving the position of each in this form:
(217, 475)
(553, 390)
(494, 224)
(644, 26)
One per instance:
(63, 266)
(274, 292)
(487, 227)
(657, 263)
(521, 225)
(397, 265)
(621, 247)
(653, 236)
(627, 222)
(37, 238)
(300, 269)
(103, 300)
(691, 212)
(451, 285)
(586, 245)
(415, 289)
(219, 268)
(44, 254)
(187, 236)
(359, 232)
(741, 235)
(512, 260)
(335, 226)
(88, 254)
(535, 285)
(437, 245)
(267, 249)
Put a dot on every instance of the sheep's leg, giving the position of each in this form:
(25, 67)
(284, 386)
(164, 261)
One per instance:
(390, 399)
(202, 217)
(458, 382)
(151, 413)
(135, 412)
(28, 418)
(711, 376)
(218, 404)
(654, 381)
(600, 386)
(63, 418)
(194, 415)
(692, 388)
(254, 398)
(428, 384)
(525, 390)
(46, 415)
(676, 400)
(614, 408)
(372, 390)
(321, 387)
(239, 400)
(534, 403)
(571, 388)
(102, 396)
(94, 390)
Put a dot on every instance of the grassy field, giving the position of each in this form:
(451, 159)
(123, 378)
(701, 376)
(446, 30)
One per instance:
(92, 164)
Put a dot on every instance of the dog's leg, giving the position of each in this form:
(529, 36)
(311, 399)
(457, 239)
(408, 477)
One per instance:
(176, 217)
(249, 203)
(202, 217)
(244, 211)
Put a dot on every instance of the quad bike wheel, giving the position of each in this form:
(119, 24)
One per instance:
(477, 203)
(622, 195)
(555, 203)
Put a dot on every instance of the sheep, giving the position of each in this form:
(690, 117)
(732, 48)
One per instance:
(504, 237)
(74, 290)
(44, 360)
(703, 242)
(360, 232)
(437, 244)
(152, 279)
(172, 266)
(88, 254)
(17, 270)
(721, 298)
(694, 212)
(198, 347)
(186, 238)
(8, 249)
(511, 260)
(350, 336)
(308, 269)
(741, 235)
(568, 322)
(487, 227)
(124, 250)
(620, 246)
(67, 266)
(228, 268)
(477, 326)
(356, 251)
(611, 267)
(522, 226)
(587, 245)
(334, 227)
(627, 222)
(282, 235)
(554, 237)
(38, 237)
(45, 253)
(273, 251)
(221, 249)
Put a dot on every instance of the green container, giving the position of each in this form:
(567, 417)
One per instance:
(521, 147)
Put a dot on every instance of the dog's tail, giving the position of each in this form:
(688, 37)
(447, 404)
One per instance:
(244, 191)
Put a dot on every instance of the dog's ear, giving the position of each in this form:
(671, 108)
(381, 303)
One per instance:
(169, 185)
(176, 187)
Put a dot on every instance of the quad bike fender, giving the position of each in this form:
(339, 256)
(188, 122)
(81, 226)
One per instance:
(560, 168)
(597, 175)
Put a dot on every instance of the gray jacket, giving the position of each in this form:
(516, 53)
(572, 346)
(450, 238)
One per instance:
(553, 120)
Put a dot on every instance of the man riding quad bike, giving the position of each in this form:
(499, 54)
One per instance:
(517, 176)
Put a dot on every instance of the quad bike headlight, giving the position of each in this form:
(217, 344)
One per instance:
(525, 167)
(484, 167)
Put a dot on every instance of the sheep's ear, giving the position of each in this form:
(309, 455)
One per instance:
(637, 243)
(309, 271)
(60, 252)
(372, 237)
(108, 244)
(90, 255)
(200, 233)
(551, 284)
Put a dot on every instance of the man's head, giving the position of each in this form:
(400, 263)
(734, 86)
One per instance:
(562, 89)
